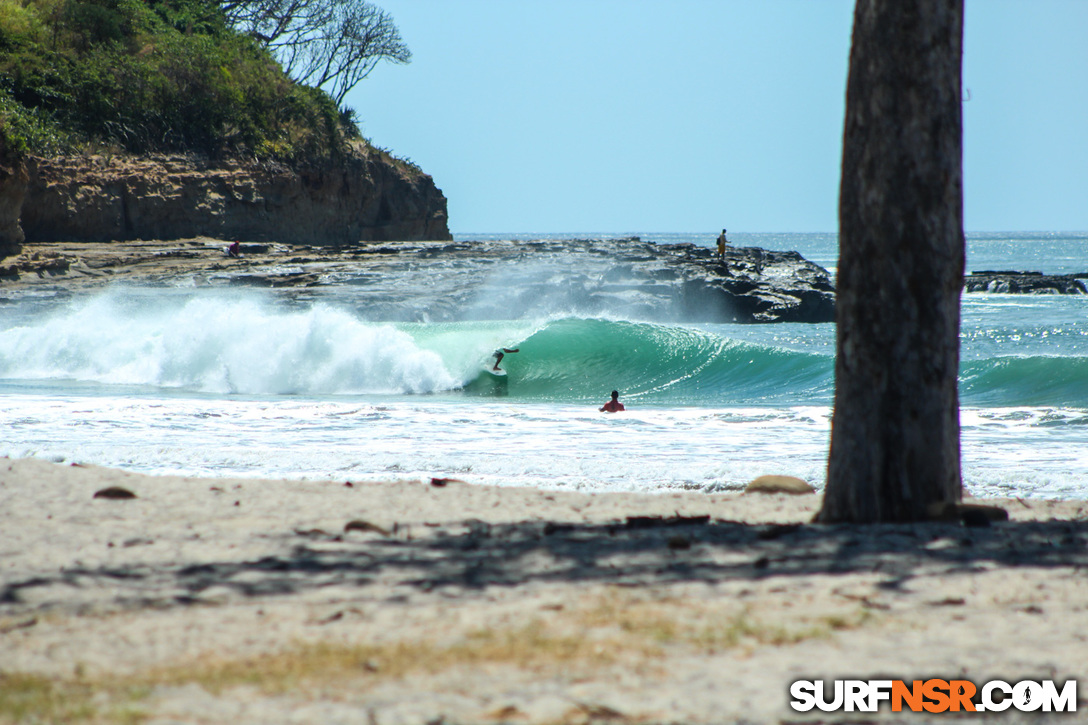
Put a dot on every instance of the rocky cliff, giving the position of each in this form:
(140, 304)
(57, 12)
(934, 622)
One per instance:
(365, 197)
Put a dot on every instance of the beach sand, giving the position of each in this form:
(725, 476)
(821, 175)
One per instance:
(273, 601)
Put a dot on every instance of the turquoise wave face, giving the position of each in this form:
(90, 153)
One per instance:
(243, 346)
(579, 360)
(1029, 380)
(239, 345)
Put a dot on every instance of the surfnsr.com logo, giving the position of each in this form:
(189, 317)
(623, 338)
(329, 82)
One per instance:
(933, 695)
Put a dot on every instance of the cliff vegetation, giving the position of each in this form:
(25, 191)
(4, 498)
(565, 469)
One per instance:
(174, 119)
(154, 76)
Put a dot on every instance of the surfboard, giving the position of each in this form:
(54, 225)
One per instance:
(488, 382)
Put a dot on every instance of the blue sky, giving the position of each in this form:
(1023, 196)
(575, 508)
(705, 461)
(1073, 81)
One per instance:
(618, 116)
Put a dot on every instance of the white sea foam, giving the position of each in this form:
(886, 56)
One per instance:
(547, 446)
(222, 345)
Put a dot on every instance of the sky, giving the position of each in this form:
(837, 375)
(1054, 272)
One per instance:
(613, 116)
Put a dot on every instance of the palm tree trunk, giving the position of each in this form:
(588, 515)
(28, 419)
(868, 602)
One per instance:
(895, 431)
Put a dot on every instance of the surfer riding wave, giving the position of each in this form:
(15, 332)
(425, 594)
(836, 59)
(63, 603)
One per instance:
(499, 354)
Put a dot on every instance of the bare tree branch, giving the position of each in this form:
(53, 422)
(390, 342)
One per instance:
(323, 43)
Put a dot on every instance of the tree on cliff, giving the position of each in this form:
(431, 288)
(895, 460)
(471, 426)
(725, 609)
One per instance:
(895, 431)
(330, 44)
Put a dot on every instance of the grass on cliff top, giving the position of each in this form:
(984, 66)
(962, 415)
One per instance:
(153, 76)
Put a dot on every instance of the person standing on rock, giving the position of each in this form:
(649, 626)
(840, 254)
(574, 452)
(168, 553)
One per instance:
(722, 241)
(614, 405)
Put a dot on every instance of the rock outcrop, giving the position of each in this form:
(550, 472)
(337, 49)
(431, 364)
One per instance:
(626, 277)
(364, 197)
(463, 280)
(750, 284)
(1005, 282)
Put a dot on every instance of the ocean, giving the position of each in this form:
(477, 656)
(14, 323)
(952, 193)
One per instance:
(274, 383)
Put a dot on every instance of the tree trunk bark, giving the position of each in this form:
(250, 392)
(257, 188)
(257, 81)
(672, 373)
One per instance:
(895, 432)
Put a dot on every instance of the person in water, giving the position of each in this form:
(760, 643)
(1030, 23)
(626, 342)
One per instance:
(499, 354)
(614, 405)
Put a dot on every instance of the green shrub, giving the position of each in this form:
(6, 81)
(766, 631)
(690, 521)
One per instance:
(155, 76)
(25, 130)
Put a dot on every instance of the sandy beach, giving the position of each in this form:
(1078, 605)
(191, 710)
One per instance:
(276, 601)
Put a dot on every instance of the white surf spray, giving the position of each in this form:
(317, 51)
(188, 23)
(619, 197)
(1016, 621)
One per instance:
(221, 345)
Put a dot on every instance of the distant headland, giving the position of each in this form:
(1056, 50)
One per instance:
(173, 119)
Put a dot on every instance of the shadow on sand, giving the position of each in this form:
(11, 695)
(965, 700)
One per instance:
(638, 551)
